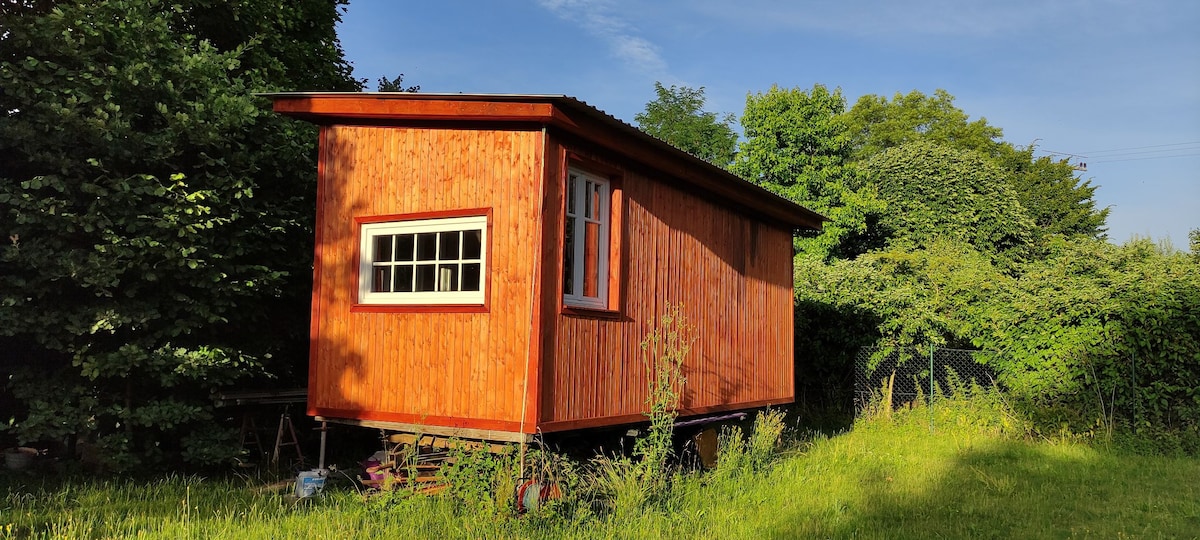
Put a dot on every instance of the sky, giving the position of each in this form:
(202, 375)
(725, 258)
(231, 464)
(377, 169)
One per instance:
(1111, 83)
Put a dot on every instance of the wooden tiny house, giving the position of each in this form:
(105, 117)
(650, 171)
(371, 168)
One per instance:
(488, 265)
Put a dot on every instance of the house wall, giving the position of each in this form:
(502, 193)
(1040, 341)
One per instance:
(731, 273)
(458, 369)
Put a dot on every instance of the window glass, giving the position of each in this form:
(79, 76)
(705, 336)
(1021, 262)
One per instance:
(404, 278)
(571, 189)
(404, 247)
(471, 277)
(383, 248)
(381, 276)
(426, 246)
(588, 197)
(472, 244)
(447, 277)
(569, 256)
(425, 278)
(591, 260)
(448, 245)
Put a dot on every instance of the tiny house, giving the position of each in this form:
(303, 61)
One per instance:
(486, 266)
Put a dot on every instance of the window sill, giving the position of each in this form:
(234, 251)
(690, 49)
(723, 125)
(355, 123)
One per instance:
(590, 312)
(418, 308)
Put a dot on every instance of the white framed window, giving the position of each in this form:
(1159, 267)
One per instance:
(427, 261)
(586, 240)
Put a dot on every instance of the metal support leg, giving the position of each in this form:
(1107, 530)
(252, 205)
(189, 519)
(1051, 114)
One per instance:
(321, 459)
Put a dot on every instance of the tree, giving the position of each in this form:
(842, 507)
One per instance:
(157, 214)
(877, 124)
(934, 192)
(677, 116)
(1053, 196)
(292, 43)
(385, 84)
(1051, 193)
(798, 145)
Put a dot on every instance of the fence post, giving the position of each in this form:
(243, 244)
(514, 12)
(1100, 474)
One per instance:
(931, 388)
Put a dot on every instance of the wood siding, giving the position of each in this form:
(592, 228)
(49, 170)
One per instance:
(458, 369)
(732, 274)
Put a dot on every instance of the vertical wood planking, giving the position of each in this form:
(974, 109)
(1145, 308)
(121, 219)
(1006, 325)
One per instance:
(459, 365)
(734, 282)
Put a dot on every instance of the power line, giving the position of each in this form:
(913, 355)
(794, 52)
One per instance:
(1124, 152)
(1140, 152)
(1145, 158)
(1135, 148)
(1063, 153)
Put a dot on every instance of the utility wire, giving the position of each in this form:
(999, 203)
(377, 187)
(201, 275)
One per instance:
(1140, 152)
(1103, 155)
(1139, 147)
(1063, 153)
(1144, 158)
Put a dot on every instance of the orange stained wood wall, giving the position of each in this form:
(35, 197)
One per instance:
(459, 369)
(731, 273)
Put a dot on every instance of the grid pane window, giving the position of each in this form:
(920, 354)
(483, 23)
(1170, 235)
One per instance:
(586, 241)
(437, 261)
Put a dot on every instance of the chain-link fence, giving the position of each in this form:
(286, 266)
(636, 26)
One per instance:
(905, 373)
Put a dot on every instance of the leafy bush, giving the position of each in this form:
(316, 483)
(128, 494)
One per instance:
(483, 483)
(1090, 336)
(1096, 331)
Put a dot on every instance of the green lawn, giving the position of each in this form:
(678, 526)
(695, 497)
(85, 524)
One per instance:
(886, 478)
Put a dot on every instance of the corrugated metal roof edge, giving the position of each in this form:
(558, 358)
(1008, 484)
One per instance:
(580, 105)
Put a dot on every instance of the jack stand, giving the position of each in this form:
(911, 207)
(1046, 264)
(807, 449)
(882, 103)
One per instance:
(321, 460)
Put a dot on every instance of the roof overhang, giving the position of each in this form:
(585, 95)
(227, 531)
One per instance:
(556, 111)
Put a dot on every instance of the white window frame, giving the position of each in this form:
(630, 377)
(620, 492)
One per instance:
(575, 297)
(366, 266)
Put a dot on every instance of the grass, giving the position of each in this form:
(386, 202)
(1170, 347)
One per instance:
(975, 476)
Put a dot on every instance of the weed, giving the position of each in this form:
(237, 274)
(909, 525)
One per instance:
(482, 482)
(765, 437)
(663, 352)
(737, 454)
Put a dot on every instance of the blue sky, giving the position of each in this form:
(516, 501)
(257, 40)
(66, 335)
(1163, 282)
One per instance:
(1115, 81)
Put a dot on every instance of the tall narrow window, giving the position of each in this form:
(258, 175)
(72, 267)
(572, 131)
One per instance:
(429, 261)
(585, 240)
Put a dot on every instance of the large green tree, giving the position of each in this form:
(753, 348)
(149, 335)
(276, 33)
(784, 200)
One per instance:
(677, 116)
(937, 192)
(798, 145)
(1049, 190)
(1056, 199)
(157, 215)
(877, 124)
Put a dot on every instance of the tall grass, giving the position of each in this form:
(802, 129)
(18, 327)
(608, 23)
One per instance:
(978, 473)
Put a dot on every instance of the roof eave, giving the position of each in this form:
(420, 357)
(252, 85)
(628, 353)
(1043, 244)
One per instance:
(559, 111)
